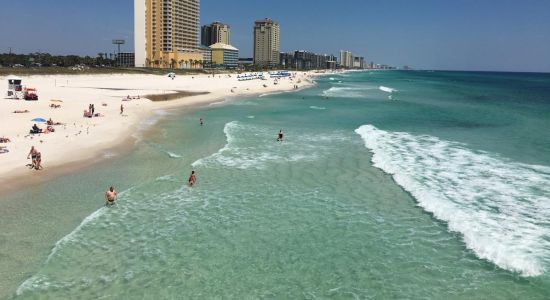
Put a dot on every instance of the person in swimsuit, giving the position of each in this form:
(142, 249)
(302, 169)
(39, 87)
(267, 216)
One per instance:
(201, 121)
(192, 179)
(110, 196)
(121, 109)
(38, 164)
(280, 136)
(32, 154)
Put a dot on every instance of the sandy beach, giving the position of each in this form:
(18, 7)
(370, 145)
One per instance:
(83, 141)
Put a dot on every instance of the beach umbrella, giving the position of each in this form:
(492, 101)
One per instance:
(40, 120)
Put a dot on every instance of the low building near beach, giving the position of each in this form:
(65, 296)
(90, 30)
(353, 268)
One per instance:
(225, 56)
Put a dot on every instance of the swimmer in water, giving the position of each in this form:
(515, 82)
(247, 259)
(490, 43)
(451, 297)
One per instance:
(192, 179)
(110, 196)
(280, 136)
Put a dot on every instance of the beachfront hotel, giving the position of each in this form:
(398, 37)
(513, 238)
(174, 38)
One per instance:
(166, 33)
(225, 56)
(215, 33)
(346, 59)
(266, 43)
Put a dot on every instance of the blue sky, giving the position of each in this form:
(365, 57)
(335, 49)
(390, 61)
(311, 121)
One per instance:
(502, 35)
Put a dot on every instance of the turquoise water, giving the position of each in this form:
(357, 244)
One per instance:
(440, 188)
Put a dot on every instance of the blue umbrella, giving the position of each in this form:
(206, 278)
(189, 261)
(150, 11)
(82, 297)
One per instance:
(39, 120)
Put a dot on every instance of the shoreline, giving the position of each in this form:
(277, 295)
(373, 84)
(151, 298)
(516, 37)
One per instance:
(78, 153)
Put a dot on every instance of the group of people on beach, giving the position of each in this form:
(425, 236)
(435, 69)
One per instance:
(49, 128)
(90, 112)
(2, 148)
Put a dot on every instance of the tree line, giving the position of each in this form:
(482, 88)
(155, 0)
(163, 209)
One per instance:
(48, 60)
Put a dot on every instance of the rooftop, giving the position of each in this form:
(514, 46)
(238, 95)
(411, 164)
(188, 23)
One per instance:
(223, 46)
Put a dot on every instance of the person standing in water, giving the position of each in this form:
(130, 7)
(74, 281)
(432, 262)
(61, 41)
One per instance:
(192, 179)
(202, 121)
(110, 196)
(280, 136)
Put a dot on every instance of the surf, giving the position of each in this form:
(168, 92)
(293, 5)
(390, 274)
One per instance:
(497, 205)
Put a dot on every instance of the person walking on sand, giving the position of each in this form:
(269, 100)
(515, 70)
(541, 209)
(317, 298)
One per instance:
(38, 164)
(110, 196)
(32, 153)
(192, 179)
(280, 136)
(121, 108)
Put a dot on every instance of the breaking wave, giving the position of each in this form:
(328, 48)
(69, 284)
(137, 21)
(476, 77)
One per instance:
(500, 207)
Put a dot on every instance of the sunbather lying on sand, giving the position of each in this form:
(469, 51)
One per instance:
(4, 140)
(55, 105)
(51, 122)
(4, 150)
(21, 111)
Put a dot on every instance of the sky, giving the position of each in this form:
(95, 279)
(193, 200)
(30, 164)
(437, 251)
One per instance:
(489, 35)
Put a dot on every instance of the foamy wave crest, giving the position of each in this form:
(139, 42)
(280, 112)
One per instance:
(173, 155)
(252, 146)
(500, 207)
(40, 281)
(387, 89)
(347, 92)
(318, 107)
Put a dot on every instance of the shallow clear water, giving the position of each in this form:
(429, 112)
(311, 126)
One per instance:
(440, 188)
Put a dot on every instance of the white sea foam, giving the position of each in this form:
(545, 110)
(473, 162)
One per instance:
(318, 107)
(500, 207)
(173, 155)
(253, 147)
(347, 92)
(387, 89)
(39, 281)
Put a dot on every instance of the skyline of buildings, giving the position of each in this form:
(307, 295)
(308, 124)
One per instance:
(167, 36)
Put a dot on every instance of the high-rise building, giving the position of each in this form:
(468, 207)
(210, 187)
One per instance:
(215, 33)
(166, 33)
(266, 43)
(346, 59)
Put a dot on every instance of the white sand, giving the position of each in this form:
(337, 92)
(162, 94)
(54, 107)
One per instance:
(89, 139)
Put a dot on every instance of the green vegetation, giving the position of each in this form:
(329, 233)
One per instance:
(47, 64)
(92, 70)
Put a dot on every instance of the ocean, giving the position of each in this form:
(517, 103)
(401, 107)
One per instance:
(388, 185)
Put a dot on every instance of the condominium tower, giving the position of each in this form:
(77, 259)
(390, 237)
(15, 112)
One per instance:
(166, 33)
(266, 43)
(215, 33)
(346, 59)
